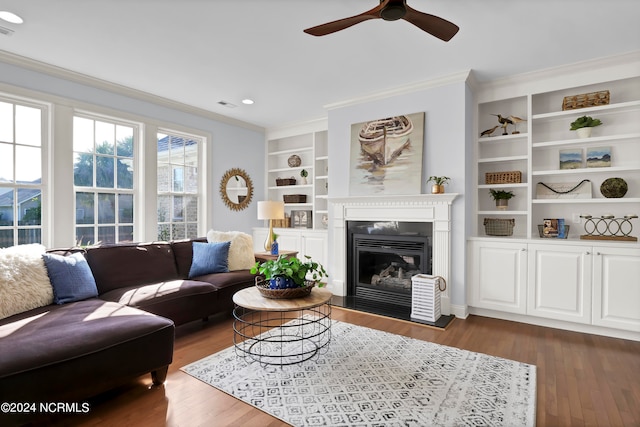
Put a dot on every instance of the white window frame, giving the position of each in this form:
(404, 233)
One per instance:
(138, 141)
(201, 165)
(45, 162)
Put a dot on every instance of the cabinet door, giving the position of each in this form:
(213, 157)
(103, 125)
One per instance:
(498, 276)
(315, 246)
(289, 240)
(560, 282)
(616, 288)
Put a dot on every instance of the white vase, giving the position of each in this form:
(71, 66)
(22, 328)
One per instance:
(584, 132)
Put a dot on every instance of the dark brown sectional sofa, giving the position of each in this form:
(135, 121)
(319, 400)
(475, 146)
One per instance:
(74, 351)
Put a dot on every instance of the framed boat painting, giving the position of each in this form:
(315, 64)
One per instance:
(386, 155)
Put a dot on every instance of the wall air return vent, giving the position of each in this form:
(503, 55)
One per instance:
(5, 31)
(227, 104)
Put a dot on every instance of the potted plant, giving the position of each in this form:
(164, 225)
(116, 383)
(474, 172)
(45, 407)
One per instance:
(304, 174)
(502, 198)
(438, 184)
(289, 272)
(582, 126)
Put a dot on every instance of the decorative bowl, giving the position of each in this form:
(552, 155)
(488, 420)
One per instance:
(287, 293)
(614, 188)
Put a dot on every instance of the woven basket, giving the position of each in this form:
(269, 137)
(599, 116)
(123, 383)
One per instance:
(295, 198)
(509, 177)
(265, 291)
(499, 226)
(586, 100)
(285, 181)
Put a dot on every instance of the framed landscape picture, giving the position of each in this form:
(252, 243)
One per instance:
(599, 157)
(571, 159)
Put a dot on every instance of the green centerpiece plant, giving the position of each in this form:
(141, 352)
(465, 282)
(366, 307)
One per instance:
(290, 272)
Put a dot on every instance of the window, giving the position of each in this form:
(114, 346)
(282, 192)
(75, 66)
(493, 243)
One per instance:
(21, 189)
(103, 176)
(178, 196)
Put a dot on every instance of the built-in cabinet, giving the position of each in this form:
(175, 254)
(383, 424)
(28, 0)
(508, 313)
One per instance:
(535, 152)
(287, 157)
(311, 243)
(580, 283)
(289, 151)
(584, 282)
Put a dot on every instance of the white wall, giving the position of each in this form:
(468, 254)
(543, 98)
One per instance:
(231, 145)
(446, 151)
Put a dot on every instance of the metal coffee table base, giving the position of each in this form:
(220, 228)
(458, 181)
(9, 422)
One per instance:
(282, 337)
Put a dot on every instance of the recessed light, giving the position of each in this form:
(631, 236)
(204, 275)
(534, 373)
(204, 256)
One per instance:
(10, 17)
(247, 101)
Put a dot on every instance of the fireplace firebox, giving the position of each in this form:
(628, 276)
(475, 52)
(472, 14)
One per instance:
(382, 258)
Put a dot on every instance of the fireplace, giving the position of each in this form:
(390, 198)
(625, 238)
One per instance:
(381, 259)
(430, 210)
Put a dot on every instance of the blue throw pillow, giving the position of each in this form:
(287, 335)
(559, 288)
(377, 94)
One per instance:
(209, 258)
(71, 278)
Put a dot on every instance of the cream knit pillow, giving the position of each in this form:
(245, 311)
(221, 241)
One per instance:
(241, 250)
(24, 283)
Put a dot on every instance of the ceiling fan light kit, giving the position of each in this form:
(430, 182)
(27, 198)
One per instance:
(392, 10)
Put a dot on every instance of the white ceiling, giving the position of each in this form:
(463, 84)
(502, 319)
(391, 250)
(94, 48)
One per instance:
(199, 52)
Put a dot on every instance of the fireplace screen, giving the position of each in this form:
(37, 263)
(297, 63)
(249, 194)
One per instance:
(384, 264)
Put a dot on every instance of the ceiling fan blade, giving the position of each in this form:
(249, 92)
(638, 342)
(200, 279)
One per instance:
(438, 27)
(341, 24)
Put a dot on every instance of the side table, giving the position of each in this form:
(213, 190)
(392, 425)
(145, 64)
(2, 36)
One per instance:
(281, 331)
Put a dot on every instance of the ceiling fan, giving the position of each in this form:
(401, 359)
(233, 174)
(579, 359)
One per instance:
(392, 10)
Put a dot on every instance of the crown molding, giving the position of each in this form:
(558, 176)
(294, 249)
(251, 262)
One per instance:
(307, 126)
(63, 73)
(460, 77)
(581, 73)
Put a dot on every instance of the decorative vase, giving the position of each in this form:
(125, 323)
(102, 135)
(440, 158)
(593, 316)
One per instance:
(584, 132)
(280, 282)
(304, 180)
(274, 248)
(502, 204)
(437, 189)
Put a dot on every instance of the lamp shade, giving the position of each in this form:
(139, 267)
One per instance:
(270, 210)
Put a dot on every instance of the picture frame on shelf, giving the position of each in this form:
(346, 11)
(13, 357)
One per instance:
(571, 158)
(599, 157)
(301, 219)
(554, 228)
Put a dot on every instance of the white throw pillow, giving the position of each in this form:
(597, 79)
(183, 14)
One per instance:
(241, 255)
(24, 283)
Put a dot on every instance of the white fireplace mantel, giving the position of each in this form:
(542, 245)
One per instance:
(434, 208)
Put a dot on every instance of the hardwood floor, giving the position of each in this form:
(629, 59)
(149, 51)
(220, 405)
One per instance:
(582, 379)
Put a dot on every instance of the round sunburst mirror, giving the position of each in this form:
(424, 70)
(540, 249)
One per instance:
(236, 189)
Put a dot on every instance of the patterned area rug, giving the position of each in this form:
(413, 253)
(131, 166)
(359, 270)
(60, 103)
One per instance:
(373, 378)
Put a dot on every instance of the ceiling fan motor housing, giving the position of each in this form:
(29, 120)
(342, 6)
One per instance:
(393, 11)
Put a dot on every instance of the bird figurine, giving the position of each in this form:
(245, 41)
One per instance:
(504, 121)
(488, 132)
(516, 120)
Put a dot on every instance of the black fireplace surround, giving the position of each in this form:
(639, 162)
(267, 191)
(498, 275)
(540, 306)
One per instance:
(381, 258)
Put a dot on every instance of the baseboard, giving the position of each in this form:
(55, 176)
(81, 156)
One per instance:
(557, 324)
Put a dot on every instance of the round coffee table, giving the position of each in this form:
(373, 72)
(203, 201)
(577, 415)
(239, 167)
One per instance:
(281, 331)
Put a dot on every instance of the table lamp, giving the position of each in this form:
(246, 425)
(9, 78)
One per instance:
(270, 210)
